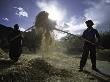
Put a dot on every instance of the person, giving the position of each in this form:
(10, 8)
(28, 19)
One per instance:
(90, 35)
(15, 40)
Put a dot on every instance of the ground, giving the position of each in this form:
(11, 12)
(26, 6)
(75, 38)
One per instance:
(57, 67)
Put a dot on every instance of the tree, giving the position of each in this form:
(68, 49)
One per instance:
(31, 41)
(105, 39)
(72, 43)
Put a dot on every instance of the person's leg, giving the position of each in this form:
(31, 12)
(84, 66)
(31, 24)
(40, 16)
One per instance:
(18, 51)
(93, 56)
(16, 55)
(84, 58)
(11, 53)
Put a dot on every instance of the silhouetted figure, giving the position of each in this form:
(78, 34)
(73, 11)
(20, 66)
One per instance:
(15, 39)
(89, 34)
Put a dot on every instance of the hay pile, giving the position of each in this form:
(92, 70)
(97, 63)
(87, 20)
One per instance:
(44, 30)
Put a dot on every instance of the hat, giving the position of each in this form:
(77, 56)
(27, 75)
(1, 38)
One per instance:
(89, 22)
(16, 26)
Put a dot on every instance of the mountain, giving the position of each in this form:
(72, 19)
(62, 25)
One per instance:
(4, 31)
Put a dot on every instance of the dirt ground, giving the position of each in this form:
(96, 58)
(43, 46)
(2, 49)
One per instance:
(56, 67)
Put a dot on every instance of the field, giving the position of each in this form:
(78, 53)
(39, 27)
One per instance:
(56, 67)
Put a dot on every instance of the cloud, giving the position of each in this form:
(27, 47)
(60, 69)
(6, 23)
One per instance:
(75, 25)
(107, 1)
(56, 12)
(53, 8)
(97, 10)
(21, 29)
(5, 19)
(21, 12)
(99, 13)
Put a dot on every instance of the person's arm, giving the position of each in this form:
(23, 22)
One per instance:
(84, 34)
(98, 36)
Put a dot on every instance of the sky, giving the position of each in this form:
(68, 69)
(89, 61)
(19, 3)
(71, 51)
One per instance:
(70, 14)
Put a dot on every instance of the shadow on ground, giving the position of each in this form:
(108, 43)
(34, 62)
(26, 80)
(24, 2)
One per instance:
(5, 63)
(37, 70)
(99, 75)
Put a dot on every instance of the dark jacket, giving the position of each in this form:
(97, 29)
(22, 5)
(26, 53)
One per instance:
(91, 34)
(17, 42)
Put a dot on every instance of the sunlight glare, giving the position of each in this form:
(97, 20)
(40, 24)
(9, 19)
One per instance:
(54, 13)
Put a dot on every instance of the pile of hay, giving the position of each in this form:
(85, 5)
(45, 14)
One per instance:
(44, 30)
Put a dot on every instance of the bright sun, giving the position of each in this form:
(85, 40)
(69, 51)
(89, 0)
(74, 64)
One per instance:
(54, 13)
